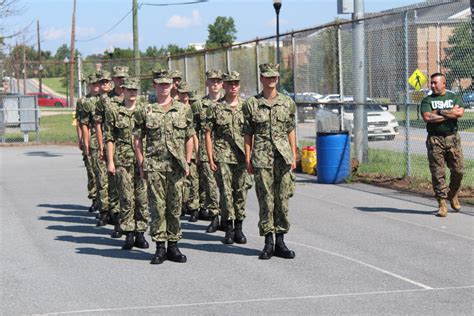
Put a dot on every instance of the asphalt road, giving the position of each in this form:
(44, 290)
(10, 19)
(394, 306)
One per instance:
(359, 250)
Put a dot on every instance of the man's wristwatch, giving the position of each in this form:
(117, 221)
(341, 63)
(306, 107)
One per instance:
(439, 112)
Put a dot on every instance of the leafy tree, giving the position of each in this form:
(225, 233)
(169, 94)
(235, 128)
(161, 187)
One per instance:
(459, 60)
(221, 33)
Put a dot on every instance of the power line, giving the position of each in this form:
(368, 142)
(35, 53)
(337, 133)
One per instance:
(108, 31)
(169, 4)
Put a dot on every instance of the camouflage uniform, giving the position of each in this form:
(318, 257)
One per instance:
(443, 144)
(229, 153)
(209, 194)
(131, 188)
(270, 123)
(164, 164)
(91, 185)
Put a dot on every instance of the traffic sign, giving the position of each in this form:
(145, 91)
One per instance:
(417, 79)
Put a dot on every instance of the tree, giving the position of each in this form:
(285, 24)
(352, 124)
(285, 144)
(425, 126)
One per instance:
(459, 60)
(221, 33)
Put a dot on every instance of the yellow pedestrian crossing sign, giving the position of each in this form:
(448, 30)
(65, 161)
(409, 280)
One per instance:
(417, 79)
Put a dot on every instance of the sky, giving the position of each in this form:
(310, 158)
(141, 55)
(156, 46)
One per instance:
(163, 25)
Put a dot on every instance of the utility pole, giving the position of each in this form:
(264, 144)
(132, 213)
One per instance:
(72, 59)
(136, 48)
(40, 67)
(359, 81)
(24, 66)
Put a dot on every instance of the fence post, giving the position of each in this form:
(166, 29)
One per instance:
(227, 57)
(257, 63)
(407, 102)
(341, 78)
(186, 67)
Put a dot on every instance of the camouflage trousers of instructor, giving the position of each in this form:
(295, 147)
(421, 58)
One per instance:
(274, 186)
(165, 198)
(208, 192)
(442, 151)
(106, 187)
(191, 188)
(91, 185)
(134, 216)
(234, 182)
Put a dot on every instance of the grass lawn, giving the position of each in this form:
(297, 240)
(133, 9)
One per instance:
(56, 84)
(465, 124)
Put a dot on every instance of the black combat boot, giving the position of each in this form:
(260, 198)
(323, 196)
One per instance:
(204, 214)
(280, 248)
(229, 233)
(93, 206)
(140, 241)
(173, 253)
(193, 216)
(129, 241)
(103, 218)
(160, 254)
(212, 228)
(267, 251)
(239, 236)
(117, 233)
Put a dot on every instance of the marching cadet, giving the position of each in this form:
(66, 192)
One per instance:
(114, 95)
(226, 152)
(81, 104)
(191, 186)
(167, 128)
(122, 164)
(177, 77)
(208, 196)
(270, 153)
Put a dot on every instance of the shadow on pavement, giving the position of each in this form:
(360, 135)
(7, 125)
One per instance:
(42, 154)
(69, 219)
(117, 253)
(95, 240)
(189, 226)
(73, 213)
(393, 210)
(221, 248)
(82, 229)
(65, 206)
(203, 236)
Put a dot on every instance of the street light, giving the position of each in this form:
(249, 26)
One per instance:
(110, 51)
(277, 6)
(40, 75)
(66, 62)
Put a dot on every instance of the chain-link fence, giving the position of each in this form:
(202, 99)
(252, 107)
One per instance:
(316, 68)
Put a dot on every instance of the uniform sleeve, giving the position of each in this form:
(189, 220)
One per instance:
(248, 125)
(100, 110)
(197, 121)
(139, 123)
(79, 107)
(85, 114)
(291, 125)
(210, 119)
(189, 123)
(109, 126)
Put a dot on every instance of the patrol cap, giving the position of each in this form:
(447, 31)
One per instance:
(213, 74)
(92, 78)
(193, 95)
(231, 76)
(183, 87)
(176, 74)
(269, 70)
(103, 75)
(131, 83)
(120, 71)
(162, 76)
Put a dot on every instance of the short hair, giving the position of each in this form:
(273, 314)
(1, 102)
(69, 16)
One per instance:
(438, 74)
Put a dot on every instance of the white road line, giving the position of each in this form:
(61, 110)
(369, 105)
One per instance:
(272, 299)
(396, 219)
(364, 264)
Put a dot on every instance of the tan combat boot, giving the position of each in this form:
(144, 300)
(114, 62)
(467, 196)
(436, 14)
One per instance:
(455, 205)
(442, 209)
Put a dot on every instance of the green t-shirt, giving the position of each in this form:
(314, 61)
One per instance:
(441, 102)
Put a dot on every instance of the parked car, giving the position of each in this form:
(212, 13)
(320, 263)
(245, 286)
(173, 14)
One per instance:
(46, 99)
(380, 123)
(306, 103)
(468, 99)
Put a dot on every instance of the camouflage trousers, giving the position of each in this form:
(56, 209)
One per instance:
(234, 182)
(208, 192)
(274, 187)
(106, 186)
(442, 151)
(131, 189)
(165, 199)
(191, 189)
(91, 185)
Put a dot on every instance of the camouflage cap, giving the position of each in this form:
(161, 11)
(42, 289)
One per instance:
(193, 95)
(269, 70)
(120, 71)
(176, 74)
(92, 78)
(213, 74)
(103, 75)
(231, 76)
(162, 76)
(183, 87)
(131, 83)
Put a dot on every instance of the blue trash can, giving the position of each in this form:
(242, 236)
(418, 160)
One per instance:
(333, 153)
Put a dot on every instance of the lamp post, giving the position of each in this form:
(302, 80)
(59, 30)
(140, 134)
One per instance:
(66, 62)
(277, 6)
(110, 52)
(40, 77)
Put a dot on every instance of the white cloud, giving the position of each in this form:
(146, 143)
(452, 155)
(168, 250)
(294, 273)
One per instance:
(272, 22)
(182, 22)
(54, 33)
(118, 39)
(85, 32)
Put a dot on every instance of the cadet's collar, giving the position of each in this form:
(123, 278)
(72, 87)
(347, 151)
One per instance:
(227, 105)
(263, 101)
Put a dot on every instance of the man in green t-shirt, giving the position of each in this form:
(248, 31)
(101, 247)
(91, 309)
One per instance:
(441, 111)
